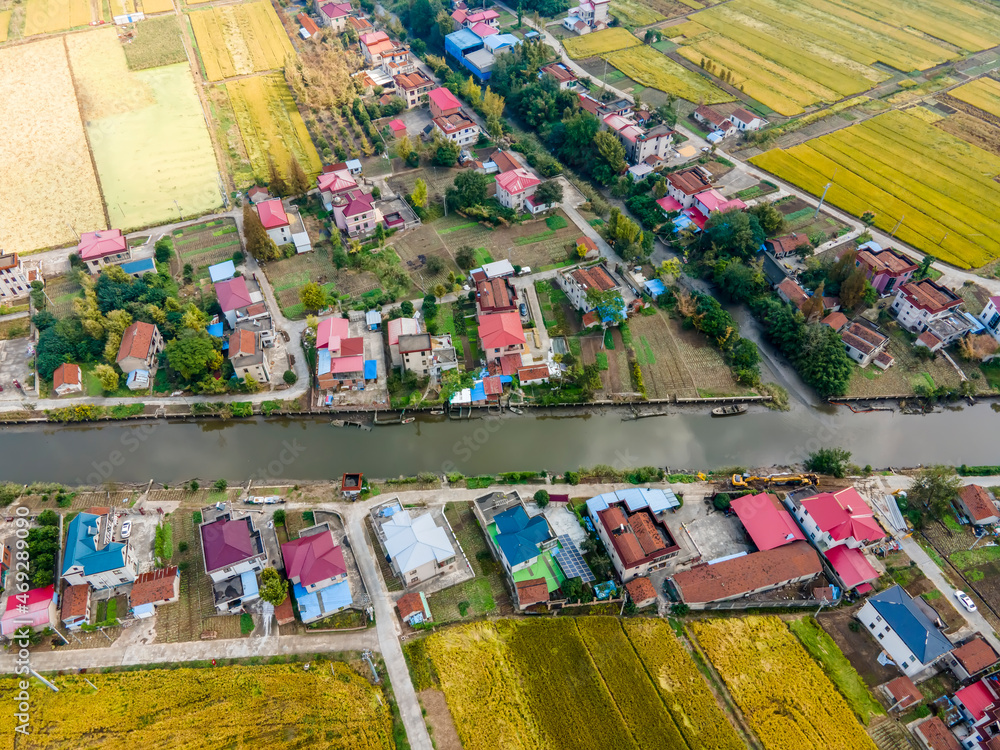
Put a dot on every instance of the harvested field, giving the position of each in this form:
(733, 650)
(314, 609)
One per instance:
(288, 276)
(152, 118)
(415, 247)
(47, 16)
(240, 39)
(634, 13)
(977, 132)
(651, 68)
(983, 93)
(664, 371)
(271, 126)
(712, 376)
(157, 42)
(156, 6)
(671, 8)
(227, 134)
(600, 42)
(35, 128)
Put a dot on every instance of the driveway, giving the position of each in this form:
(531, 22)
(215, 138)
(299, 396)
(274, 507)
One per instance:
(14, 360)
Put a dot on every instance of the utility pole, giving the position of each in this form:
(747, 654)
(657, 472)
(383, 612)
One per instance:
(822, 199)
(896, 228)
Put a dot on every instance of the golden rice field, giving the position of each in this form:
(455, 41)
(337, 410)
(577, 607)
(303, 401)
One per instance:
(271, 125)
(154, 156)
(634, 13)
(784, 695)
(901, 167)
(575, 683)
(240, 39)
(791, 54)
(4, 24)
(650, 68)
(983, 93)
(275, 706)
(45, 169)
(46, 16)
(156, 6)
(600, 42)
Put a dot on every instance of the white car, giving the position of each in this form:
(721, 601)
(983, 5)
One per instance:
(965, 600)
(126, 529)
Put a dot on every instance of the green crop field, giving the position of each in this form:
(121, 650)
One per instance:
(634, 13)
(790, 54)
(600, 42)
(651, 68)
(941, 190)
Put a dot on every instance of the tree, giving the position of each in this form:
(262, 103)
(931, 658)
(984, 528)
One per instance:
(925, 266)
(844, 267)
(977, 348)
(852, 291)
(108, 377)
(298, 181)
(934, 487)
(832, 461)
(193, 355)
(739, 281)
(193, 318)
(469, 189)
(812, 308)
(419, 195)
(440, 290)
(163, 250)
(465, 258)
(733, 234)
(116, 323)
(273, 588)
(549, 193)
(290, 377)
(769, 217)
(406, 307)
(259, 245)
(220, 485)
(822, 361)
(445, 152)
(435, 264)
(671, 267)
(868, 218)
(609, 305)
(609, 160)
(312, 296)
(404, 146)
(276, 184)
(542, 498)
(53, 350)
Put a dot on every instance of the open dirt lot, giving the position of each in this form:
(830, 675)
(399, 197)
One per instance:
(860, 648)
(664, 372)
(439, 720)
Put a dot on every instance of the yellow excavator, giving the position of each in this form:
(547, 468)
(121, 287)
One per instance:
(774, 480)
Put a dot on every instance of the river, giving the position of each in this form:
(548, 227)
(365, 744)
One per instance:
(313, 449)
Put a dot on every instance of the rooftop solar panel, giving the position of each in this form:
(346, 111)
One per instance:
(571, 561)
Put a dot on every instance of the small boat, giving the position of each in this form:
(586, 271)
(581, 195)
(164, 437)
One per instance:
(514, 410)
(730, 410)
(408, 420)
(437, 412)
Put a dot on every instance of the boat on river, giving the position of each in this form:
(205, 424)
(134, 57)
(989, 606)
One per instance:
(729, 410)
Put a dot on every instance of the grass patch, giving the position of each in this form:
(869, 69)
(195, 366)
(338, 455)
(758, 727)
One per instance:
(457, 227)
(823, 649)
(602, 360)
(970, 558)
(556, 222)
(609, 340)
(482, 256)
(531, 239)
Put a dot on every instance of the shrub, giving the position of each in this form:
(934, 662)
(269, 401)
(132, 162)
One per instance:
(241, 409)
(220, 485)
(246, 624)
(279, 517)
(290, 377)
(196, 516)
(542, 498)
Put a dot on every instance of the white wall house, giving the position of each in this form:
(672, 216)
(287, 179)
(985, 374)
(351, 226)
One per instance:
(925, 305)
(911, 640)
(515, 187)
(990, 317)
(93, 557)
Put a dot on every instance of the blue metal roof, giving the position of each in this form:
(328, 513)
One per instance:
(371, 369)
(323, 363)
(655, 287)
(635, 498)
(222, 271)
(215, 330)
(143, 265)
(314, 604)
(81, 549)
(249, 581)
(464, 39)
(518, 536)
(911, 625)
(478, 391)
(353, 164)
(373, 318)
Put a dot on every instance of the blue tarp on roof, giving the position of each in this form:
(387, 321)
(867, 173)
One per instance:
(81, 549)
(249, 581)
(323, 363)
(464, 39)
(144, 265)
(911, 625)
(336, 597)
(478, 391)
(371, 369)
(519, 536)
(222, 271)
(655, 287)
(215, 330)
(635, 498)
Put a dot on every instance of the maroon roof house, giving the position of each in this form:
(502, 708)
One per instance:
(314, 561)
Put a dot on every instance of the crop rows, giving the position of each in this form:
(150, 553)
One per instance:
(634, 13)
(600, 42)
(650, 68)
(47, 16)
(903, 168)
(784, 695)
(240, 39)
(983, 93)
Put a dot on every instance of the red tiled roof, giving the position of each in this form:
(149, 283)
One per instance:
(766, 520)
(793, 291)
(533, 591)
(669, 204)
(409, 604)
(535, 372)
(560, 72)
(741, 575)
(331, 330)
(94, 245)
(154, 587)
(496, 295)
(335, 182)
(66, 374)
(516, 181)
(976, 655)
(483, 30)
(336, 10)
(930, 296)
(743, 116)
(501, 330)
(862, 338)
(851, 565)
(689, 181)
(888, 261)
(358, 202)
(242, 343)
(711, 114)
(976, 698)
(903, 691)
(590, 319)
(978, 502)
(352, 347)
(414, 80)
(596, 277)
(836, 320)
(136, 341)
(928, 339)
(587, 243)
(233, 293)
(284, 613)
(74, 601)
(397, 126)
(843, 514)
(787, 243)
(314, 558)
(443, 99)
(937, 736)
(641, 590)
(504, 161)
(359, 24)
(272, 213)
(492, 385)
(307, 23)
(509, 364)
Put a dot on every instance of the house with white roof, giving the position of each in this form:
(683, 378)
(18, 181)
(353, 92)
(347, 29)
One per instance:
(417, 547)
(903, 631)
(588, 16)
(515, 188)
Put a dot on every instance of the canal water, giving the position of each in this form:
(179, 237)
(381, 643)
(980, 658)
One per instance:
(314, 449)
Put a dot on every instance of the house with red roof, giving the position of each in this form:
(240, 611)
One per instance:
(887, 269)
(976, 699)
(35, 609)
(979, 504)
(790, 291)
(579, 281)
(971, 658)
(746, 121)
(715, 118)
(684, 184)
(934, 734)
(284, 224)
(140, 347)
(710, 201)
(355, 213)
(103, 248)
(314, 560)
(247, 355)
(787, 244)
(334, 183)
(234, 298)
(533, 374)
(925, 305)
(67, 378)
(457, 127)
(308, 25)
(413, 608)
(766, 520)
(495, 296)
(638, 542)
(561, 74)
(413, 88)
(515, 187)
(339, 357)
(379, 49)
(396, 328)
(443, 102)
(641, 591)
(501, 334)
(335, 15)
(233, 553)
(153, 589)
(76, 606)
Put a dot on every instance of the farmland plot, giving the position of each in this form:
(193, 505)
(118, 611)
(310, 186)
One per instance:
(634, 13)
(600, 42)
(240, 39)
(651, 68)
(4, 24)
(157, 42)
(271, 126)
(147, 133)
(901, 167)
(784, 695)
(983, 93)
(47, 16)
(36, 129)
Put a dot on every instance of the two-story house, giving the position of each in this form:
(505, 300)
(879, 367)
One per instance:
(592, 13)
(335, 15)
(247, 355)
(413, 87)
(684, 184)
(579, 281)
(396, 329)
(903, 631)
(140, 347)
(637, 541)
(501, 334)
(417, 547)
(14, 283)
(233, 553)
(378, 47)
(315, 565)
(863, 344)
(515, 187)
(234, 298)
(355, 213)
(638, 142)
(925, 305)
(457, 127)
(416, 352)
(443, 102)
(990, 317)
(333, 183)
(887, 270)
(103, 248)
(93, 557)
(283, 226)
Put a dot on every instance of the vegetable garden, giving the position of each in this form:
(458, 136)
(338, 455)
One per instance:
(938, 188)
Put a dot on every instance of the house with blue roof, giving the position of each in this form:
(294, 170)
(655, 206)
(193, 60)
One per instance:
(94, 557)
(476, 53)
(903, 630)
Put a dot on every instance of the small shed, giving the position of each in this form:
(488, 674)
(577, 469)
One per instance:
(398, 128)
(354, 166)
(413, 609)
(373, 319)
(138, 380)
